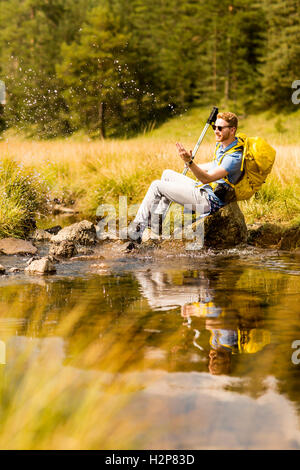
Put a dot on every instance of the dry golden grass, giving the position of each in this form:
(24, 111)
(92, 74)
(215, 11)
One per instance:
(114, 157)
(94, 172)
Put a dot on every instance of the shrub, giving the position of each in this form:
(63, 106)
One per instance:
(23, 195)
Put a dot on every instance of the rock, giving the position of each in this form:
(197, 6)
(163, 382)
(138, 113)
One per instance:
(83, 233)
(290, 239)
(267, 235)
(40, 235)
(2, 269)
(53, 230)
(65, 249)
(103, 234)
(41, 266)
(226, 228)
(14, 269)
(274, 236)
(99, 265)
(16, 246)
(33, 258)
(83, 250)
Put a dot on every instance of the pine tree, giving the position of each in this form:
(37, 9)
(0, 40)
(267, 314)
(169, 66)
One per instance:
(282, 59)
(233, 51)
(31, 34)
(94, 73)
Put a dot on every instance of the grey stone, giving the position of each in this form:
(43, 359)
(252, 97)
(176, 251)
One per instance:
(41, 266)
(40, 235)
(16, 246)
(14, 269)
(83, 233)
(65, 249)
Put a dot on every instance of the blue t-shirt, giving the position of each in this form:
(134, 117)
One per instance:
(232, 164)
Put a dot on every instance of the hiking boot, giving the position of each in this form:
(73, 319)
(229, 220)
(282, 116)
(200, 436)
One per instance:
(132, 245)
(133, 232)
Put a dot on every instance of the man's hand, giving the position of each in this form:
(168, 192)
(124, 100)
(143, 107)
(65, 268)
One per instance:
(203, 172)
(184, 154)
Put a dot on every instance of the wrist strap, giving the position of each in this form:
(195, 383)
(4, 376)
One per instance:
(190, 162)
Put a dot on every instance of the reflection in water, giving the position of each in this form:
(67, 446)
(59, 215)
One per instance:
(202, 308)
(227, 336)
(172, 356)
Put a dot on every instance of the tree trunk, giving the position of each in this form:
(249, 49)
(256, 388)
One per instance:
(215, 60)
(2, 121)
(228, 64)
(102, 108)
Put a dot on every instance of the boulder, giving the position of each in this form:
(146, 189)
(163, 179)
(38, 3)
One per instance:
(16, 246)
(226, 228)
(265, 236)
(65, 249)
(275, 236)
(83, 233)
(40, 266)
(40, 235)
(290, 239)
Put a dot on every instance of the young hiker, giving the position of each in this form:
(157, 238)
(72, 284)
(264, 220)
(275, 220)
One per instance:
(213, 190)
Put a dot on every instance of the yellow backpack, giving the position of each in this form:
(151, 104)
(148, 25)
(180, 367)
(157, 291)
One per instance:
(257, 162)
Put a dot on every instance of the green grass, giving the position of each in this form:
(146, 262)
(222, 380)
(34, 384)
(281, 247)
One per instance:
(274, 202)
(22, 195)
(275, 128)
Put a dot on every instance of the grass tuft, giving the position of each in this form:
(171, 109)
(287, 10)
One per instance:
(23, 194)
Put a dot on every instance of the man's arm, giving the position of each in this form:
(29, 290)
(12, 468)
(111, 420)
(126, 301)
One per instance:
(204, 166)
(208, 176)
(202, 171)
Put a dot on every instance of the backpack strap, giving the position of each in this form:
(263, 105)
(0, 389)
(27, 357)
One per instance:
(242, 139)
(238, 146)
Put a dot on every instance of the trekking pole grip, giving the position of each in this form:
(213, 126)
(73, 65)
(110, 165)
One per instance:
(213, 115)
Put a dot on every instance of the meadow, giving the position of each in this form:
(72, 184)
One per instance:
(90, 172)
(92, 373)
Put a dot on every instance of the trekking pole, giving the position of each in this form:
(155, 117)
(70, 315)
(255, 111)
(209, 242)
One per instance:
(165, 203)
(210, 120)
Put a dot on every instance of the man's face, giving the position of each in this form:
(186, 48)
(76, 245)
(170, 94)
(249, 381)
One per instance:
(225, 133)
(219, 361)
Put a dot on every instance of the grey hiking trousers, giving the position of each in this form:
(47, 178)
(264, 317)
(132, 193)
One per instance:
(172, 187)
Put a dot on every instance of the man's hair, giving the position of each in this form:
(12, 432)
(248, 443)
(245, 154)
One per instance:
(231, 118)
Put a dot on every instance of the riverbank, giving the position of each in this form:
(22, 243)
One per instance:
(82, 174)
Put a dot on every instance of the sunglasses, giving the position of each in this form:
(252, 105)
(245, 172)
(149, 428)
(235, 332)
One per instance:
(220, 128)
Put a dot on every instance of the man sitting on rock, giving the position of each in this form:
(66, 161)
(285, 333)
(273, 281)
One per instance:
(213, 190)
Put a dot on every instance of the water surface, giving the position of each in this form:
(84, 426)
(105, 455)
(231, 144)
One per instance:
(185, 353)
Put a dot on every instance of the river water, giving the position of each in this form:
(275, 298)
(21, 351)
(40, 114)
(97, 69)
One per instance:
(144, 353)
